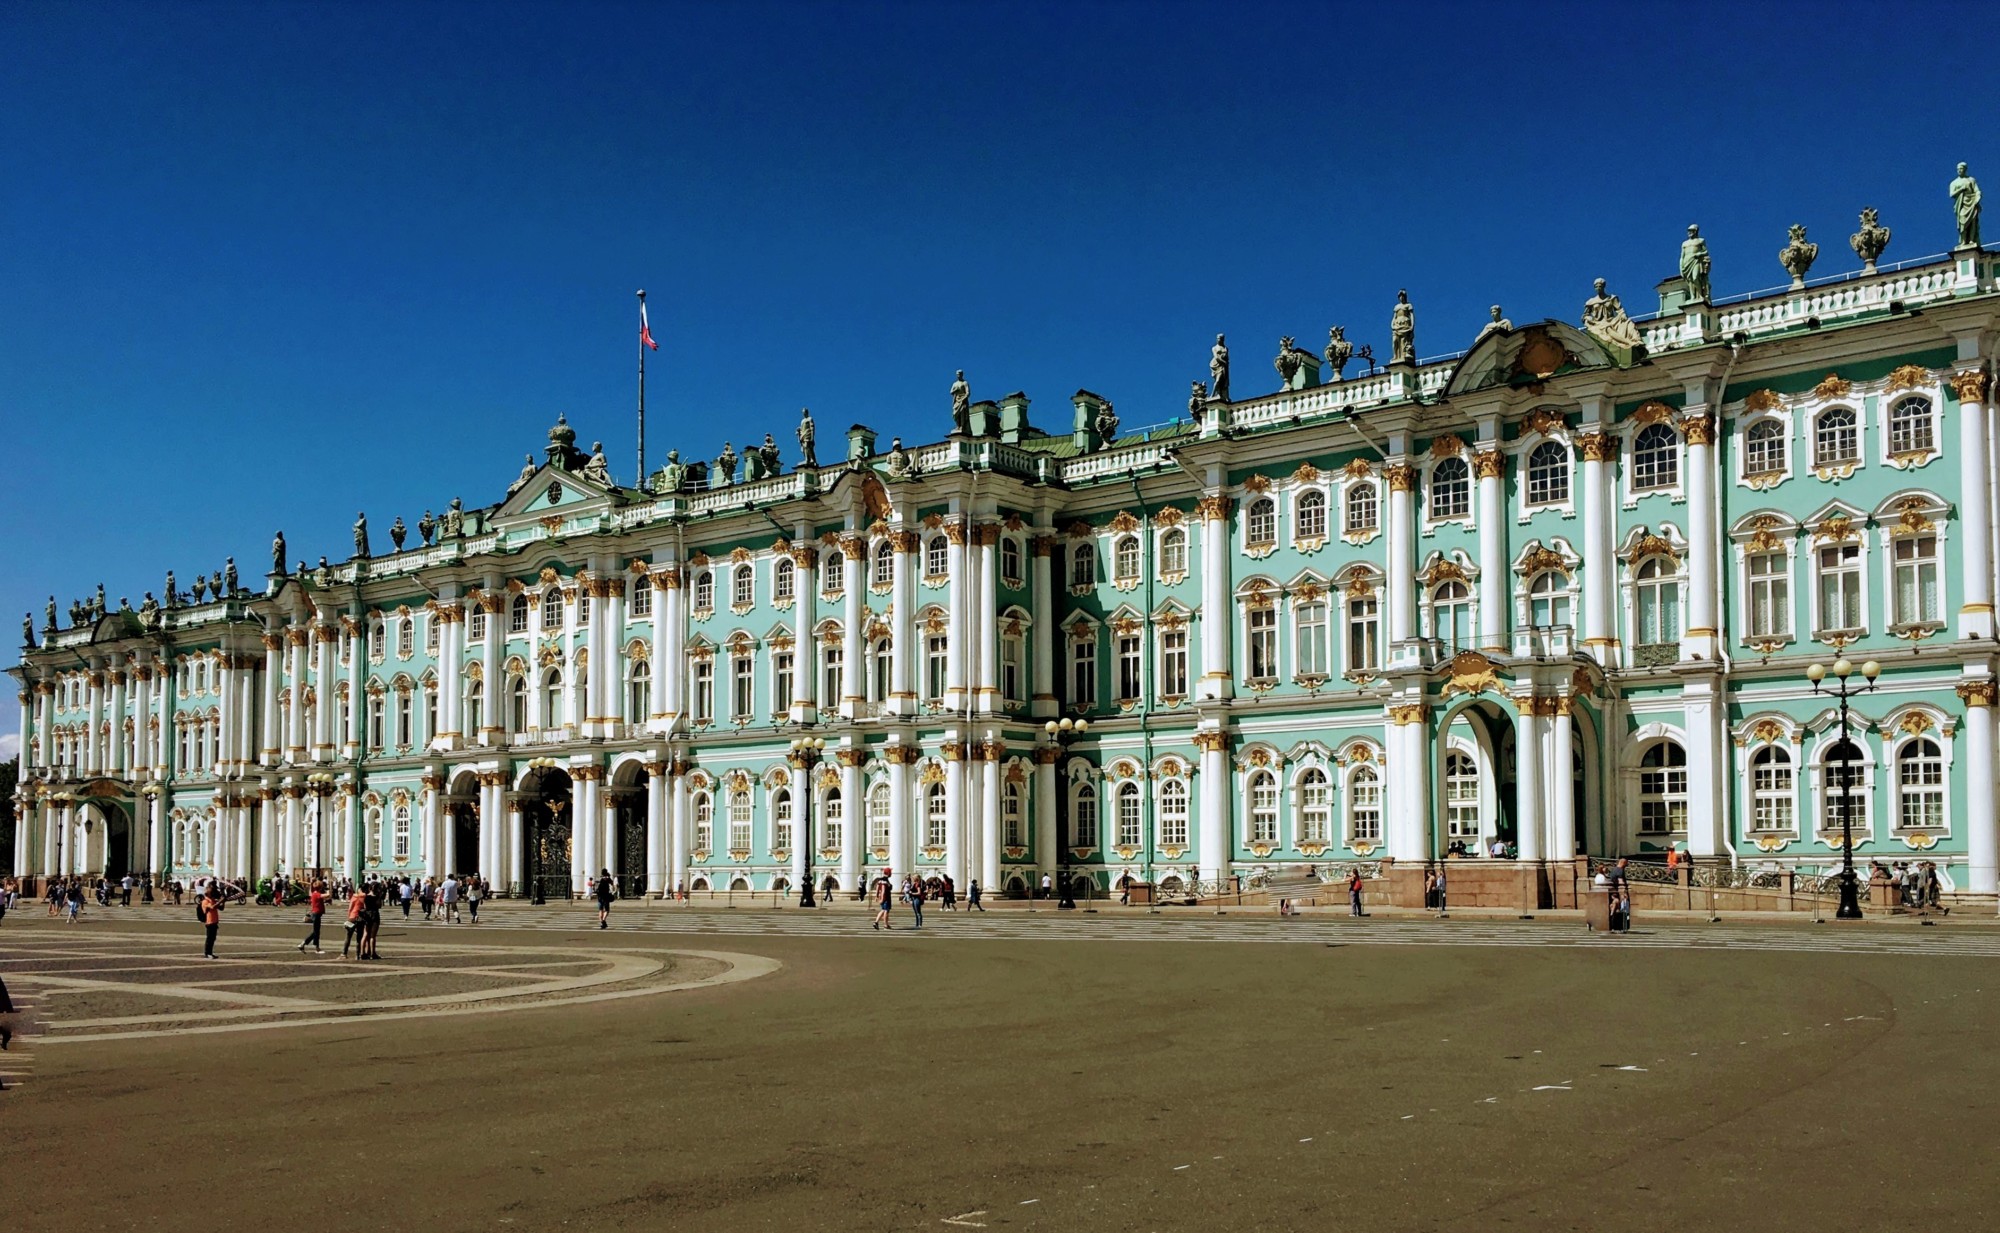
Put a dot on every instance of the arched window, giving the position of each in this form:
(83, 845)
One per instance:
(1657, 604)
(1461, 797)
(743, 586)
(400, 836)
(638, 692)
(1451, 614)
(881, 658)
(552, 608)
(937, 557)
(405, 718)
(1083, 566)
(739, 821)
(784, 578)
(1548, 474)
(1013, 822)
(1548, 599)
(1311, 513)
(1764, 448)
(641, 600)
(1315, 807)
(878, 816)
(1125, 558)
(1451, 489)
(475, 706)
(517, 703)
(1911, 428)
(1846, 783)
(885, 564)
(432, 632)
(1771, 806)
(934, 816)
(1263, 789)
(1920, 785)
(1174, 814)
(1364, 509)
(1128, 815)
(1663, 789)
(832, 813)
(704, 823)
(1010, 561)
(1836, 438)
(781, 820)
(833, 572)
(378, 638)
(1364, 806)
(552, 698)
(1173, 552)
(704, 591)
(1260, 523)
(372, 832)
(582, 606)
(378, 727)
(517, 615)
(1656, 458)
(1083, 817)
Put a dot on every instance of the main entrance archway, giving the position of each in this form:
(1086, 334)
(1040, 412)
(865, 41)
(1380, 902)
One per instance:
(546, 835)
(628, 792)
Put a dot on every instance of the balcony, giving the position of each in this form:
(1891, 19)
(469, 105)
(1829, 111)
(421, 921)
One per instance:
(1544, 642)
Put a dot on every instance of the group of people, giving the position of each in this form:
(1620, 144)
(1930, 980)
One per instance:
(1614, 883)
(1916, 884)
(914, 890)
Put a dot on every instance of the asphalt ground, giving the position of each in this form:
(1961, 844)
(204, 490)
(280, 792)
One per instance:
(948, 1080)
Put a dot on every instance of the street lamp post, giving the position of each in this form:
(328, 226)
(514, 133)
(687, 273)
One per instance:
(320, 784)
(1843, 689)
(806, 754)
(1062, 732)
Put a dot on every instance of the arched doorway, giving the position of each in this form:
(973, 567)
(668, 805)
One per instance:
(462, 852)
(628, 793)
(1475, 786)
(546, 829)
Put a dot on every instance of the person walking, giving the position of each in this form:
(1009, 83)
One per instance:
(915, 894)
(607, 890)
(1048, 885)
(74, 901)
(475, 890)
(448, 896)
(211, 917)
(357, 905)
(371, 925)
(406, 892)
(884, 897)
(1439, 888)
(972, 897)
(315, 913)
(1354, 893)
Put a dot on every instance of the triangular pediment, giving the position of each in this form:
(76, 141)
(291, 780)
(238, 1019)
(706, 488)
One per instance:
(554, 492)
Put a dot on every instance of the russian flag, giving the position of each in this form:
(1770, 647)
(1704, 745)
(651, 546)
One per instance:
(646, 331)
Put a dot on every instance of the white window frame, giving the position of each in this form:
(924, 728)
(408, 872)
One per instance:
(1859, 542)
(1629, 473)
(1564, 503)
(1899, 789)
(1826, 794)
(1348, 492)
(1822, 458)
(1757, 796)
(1305, 500)
(1433, 486)
(1173, 813)
(1363, 801)
(1260, 808)
(1260, 523)
(1312, 821)
(1901, 398)
(1788, 447)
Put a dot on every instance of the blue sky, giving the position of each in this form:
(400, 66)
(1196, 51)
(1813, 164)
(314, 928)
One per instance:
(264, 266)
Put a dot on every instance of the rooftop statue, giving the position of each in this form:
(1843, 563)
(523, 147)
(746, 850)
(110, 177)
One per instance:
(527, 473)
(100, 599)
(598, 469)
(1107, 424)
(1499, 324)
(361, 535)
(1871, 241)
(808, 460)
(27, 629)
(49, 616)
(1965, 207)
(426, 527)
(769, 454)
(229, 575)
(1218, 370)
(79, 613)
(323, 573)
(1403, 331)
(124, 604)
(1289, 360)
(1338, 350)
(961, 404)
(725, 467)
(454, 519)
(149, 610)
(277, 564)
(673, 476)
(899, 459)
(1604, 319)
(398, 533)
(173, 593)
(1694, 265)
(1197, 399)
(1798, 255)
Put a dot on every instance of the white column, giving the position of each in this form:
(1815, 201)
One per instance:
(1975, 614)
(586, 827)
(958, 624)
(990, 753)
(299, 646)
(295, 828)
(904, 651)
(155, 834)
(239, 847)
(493, 720)
(267, 832)
(679, 825)
(853, 818)
(805, 653)
(854, 666)
(1530, 822)
(1599, 565)
(1704, 587)
(45, 718)
(357, 692)
(1045, 812)
(657, 791)
(986, 619)
(1217, 606)
(93, 745)
(51, 824)
(451, 674)
(1402, 554)
(955, 772)
(1708, 766)
(611, 698)
(899, 809)
(1409, 782)
(669, 666)
(272, 740)
(1213, 845)
(1495, 593)
(326, 677)
(429, 809)
(118, 741)
(510, 861)
(23, 838)
(1042, 657)
(1982, 837)
(1562, 790)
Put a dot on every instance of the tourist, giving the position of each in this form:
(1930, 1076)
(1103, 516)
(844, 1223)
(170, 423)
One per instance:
(125, 891)
(1438, 886)
(883, 900)
(405, 893)
(1354, 893)
(371, 924)
(357, 906)
(949, 895)
(607, 890)
(74, 899)
(972, 897)
(1048, 885)
(1430, 889)
(315, 913)
(475, 890)
(914, 893)
(211, 917)
(448, 895)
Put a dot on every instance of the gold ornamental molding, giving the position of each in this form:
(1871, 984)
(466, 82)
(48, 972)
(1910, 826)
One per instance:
(1977, 693)
(1653, 411)
(1909, 377)
(1405, 715)
(1596, 447)
(1450, 445)
(1833, 385)
(1970, 385)
(1763, 400)
(1489, 464)
(1470, 673)
(1402, 477)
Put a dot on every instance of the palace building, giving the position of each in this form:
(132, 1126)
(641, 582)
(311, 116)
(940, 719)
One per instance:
(1557, 592)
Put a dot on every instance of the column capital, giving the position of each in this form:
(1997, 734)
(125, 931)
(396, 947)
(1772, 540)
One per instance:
(1596, 446)
(1971, 385)
(1978, 693)
(1489, 464)
(1402, 477)
(1698, 429)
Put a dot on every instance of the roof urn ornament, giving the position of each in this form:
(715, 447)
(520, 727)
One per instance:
(562, 444)
(398, 533)
(1338, 350)
(1965, 208)
(1798, 255)
(961, 404)
(1218, 370)
(200, 588)
(1695, 265)
(361, 535)
(1403, 331)
(1604, 319)
(1289, 360)
(1871, 241)
(768, 454)
(426, 527)
(725, 467)
(598, 469)
(808, 460)
(215, 584)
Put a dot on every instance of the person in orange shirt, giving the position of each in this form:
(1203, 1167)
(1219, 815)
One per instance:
(357, 903)
(315, 913)
(211, 916)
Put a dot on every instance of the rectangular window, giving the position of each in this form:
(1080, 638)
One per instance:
(1770, 595)
(1012, 831)
(1128, 818)
(1840, 587)
(832, 659)
(517, 617)
(832, 811)
(833, 573)
(704, 690)
(1364, 634)
(1083, 672)
(476, 625)
(1173, 814)
(1174, 663)
(431, 624)
(936, 655)
(1012, 679)
(403, 720)
(1128, 667)
(642, 597)
(1364, 797)
(375, 724)
(582, 607)
(1310, 629)
(402, 833)
(1262, 651)
(781, 822)
(1917, 599)
(781, 682)
(739, 821)
(743, 687)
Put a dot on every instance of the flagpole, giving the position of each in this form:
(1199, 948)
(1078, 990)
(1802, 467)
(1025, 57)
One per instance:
(642, 390)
